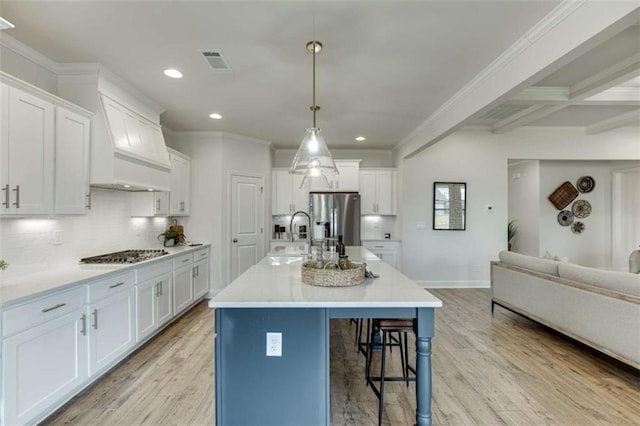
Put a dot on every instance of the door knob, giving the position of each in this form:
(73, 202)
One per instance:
(235, 240)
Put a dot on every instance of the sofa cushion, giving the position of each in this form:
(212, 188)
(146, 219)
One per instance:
(537, 264)
(622, 282)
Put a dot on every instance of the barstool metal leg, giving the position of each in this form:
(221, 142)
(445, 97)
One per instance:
(382, 366)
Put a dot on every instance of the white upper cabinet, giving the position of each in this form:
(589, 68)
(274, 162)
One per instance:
(378, 192)
(44, 152)
(287, 196)
(72, 162)
(180, 196)
(149, 204)
(26, 153)
(347, 180)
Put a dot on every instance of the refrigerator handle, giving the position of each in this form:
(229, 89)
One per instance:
(333, 222)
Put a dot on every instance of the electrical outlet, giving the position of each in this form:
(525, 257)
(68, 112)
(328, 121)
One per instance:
(274, 344)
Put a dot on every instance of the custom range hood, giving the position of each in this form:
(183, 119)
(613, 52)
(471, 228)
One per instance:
(128, 151)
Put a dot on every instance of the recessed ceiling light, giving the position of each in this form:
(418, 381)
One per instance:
(173, 73)
(5, 25)
(361, 138)
(149, 189)
(126, 186)
(215, 116)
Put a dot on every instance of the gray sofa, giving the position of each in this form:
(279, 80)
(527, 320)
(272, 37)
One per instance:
(596, 307)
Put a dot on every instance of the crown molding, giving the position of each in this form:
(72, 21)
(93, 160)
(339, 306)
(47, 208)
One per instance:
(29, 53)
(222, 135)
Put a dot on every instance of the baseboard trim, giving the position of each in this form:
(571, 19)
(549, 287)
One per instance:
(454, 284)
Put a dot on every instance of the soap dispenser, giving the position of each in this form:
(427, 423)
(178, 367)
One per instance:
(634, 262)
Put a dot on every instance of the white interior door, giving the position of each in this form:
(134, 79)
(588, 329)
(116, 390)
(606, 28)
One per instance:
(625, 215)
(247, 229)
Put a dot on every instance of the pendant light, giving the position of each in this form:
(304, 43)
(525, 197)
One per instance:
(313, 157)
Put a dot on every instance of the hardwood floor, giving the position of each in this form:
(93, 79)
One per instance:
(486, 370)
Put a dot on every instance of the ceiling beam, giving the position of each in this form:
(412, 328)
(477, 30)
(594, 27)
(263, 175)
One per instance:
(570, 30)
(614, 75)
(629, 118)
(615, 96)
(541, 94)
(608, 78)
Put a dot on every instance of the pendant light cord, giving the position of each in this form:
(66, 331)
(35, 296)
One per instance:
(314, 85)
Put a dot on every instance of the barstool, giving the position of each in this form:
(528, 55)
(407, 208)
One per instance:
(388, 326)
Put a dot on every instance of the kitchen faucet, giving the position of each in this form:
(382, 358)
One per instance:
(309, 240)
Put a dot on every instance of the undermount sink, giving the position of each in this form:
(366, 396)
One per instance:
(288, 259)
(286, 248)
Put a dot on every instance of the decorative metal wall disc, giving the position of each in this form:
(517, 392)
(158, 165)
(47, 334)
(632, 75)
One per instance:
(577, 227)
(586, 184)
(565, 218)
(581, 209)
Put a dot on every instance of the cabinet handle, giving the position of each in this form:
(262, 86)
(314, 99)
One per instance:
(6, 196)
(116, 285)
(186, 260)
(158, 205)
(193, 272)
(160, 287)
(379, 246)
(181, 206)
(83, 330)
(88, 200)
(95, 319)
(198, 270)
(59, 305)
(17, 191)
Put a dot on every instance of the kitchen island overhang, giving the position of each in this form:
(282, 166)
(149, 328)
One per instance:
(252, 388)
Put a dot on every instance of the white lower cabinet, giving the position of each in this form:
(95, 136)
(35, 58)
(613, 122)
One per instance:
(153, 305)
(111, 331)
(182, 284)
(201, 279)
(53, 346)
(42, 366)
(200, 273)
(387, 251)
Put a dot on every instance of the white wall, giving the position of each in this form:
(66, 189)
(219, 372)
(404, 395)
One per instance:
(370, 157)
(479, 157)
(593, 246)
(27, 244)
(214, 156)
(524, 205)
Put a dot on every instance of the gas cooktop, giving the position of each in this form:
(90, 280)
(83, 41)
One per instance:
(126, 256)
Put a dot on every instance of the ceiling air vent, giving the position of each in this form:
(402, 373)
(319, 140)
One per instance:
(217, 62)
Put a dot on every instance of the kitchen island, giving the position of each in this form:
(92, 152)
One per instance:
(293, 388)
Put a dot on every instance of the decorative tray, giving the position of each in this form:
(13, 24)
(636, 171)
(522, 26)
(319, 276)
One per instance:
(335, 277)
(563, 195)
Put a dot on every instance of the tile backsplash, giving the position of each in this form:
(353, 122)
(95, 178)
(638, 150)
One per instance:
(371, 227)
(27, 244)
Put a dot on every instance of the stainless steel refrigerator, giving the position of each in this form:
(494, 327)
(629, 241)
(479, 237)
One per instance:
(339, 212)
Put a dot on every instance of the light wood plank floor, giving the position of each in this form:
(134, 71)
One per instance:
(486, 370)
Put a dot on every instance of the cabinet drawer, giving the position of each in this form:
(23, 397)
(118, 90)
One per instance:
(201, 254)
(381, 245)
(182, 260)
(41, 310)
(100, 289)
(147, 272)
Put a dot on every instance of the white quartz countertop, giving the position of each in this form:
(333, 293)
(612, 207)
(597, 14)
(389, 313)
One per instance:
(276, 282)
(15, 289)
